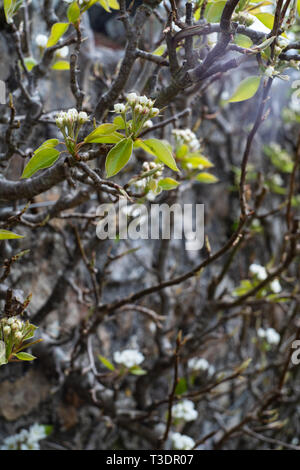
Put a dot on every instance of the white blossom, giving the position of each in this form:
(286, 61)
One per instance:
(129, 357)
(200, 363)
(181, 441)
(132, 98)
(25, 439)
(270, 335)
(258, 271)
(275, 286)
(119, 108)
(184, 410)
(63, 52)
(41, 40)
(188, 137)
(148, 124)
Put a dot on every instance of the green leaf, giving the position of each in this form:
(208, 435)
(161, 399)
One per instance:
(243, 41)
(181, 386)
(162, 152)
(57, 31)
(206, 178)
(50, 143)
(118, 157)
(160, 50)
(104, 4)
(136, 370)
(43, 158)
(168, 183)
(213, 11)
(100, 131)
(119, 121)
(106, 362)
(298, 7)
(197, 161)
(246, 89)
(266, 19)
(73, 12)
(23, 356)
(7, 235)
(113, 138)
(114, 4)
(30, 62)
(61, 65)
(10, 8)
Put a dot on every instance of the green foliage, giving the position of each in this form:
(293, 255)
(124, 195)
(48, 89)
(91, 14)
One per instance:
(106, 362)
(99, 132)
(162, 152)
(206, 178)
(14, 338)
(57, 31)
(10, 9)
(7, 235)
(61, 65)
(181, 386)
(246, 89)
(44, 157)
(279, 157)
(168, 183)
(118, 157)
(73, 12)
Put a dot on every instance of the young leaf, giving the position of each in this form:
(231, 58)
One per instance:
(181, 386)
(57, 31)
(106, 362)
(73, 12)
(214, 11)
(10, 8)
(23, 356)
(118, 157)
(61, 65)
(162, 152)
(100, 131)
(243, 41)
(206, 178)
(48, 143)
(137, 370)
(168, 183)
(30, 62)
(7, 235)
(113, 138)
(43, 158)
(267, 19)
(246, 89)
(105, 5)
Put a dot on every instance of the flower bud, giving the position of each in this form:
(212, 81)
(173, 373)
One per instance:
(119, 108)
(154, 112)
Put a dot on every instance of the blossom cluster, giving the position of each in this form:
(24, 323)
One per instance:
(270, 335)
(138, 104)
(202, 364)
(261, 273)
(25, 439)
(12, 329)
(71, 117)
(184, 410)
(41, 41)
(129, 358)
(188, 137)
(181, 441)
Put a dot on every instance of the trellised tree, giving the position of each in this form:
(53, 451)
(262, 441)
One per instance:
(170, 342)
